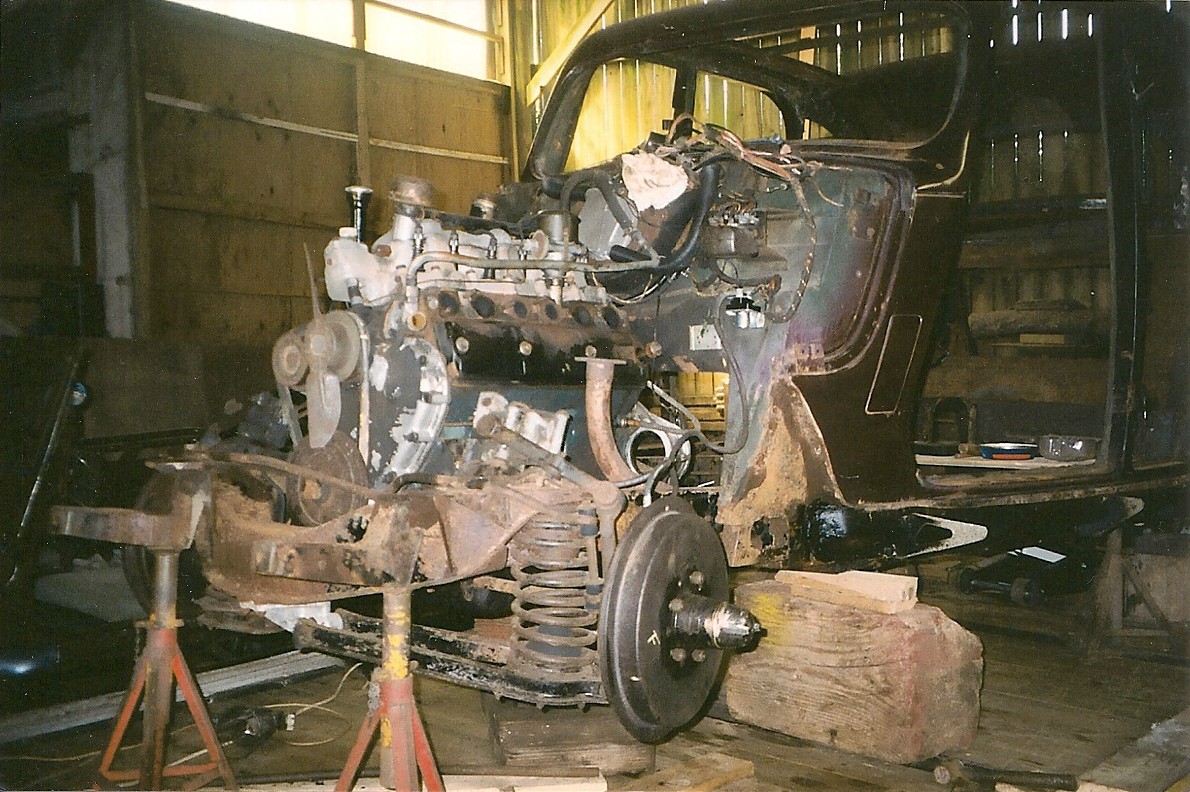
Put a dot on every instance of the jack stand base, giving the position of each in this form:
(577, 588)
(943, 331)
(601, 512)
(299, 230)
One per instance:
(159, 664)
(405, 749)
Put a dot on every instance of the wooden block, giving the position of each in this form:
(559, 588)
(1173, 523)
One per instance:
(525, 736)
(900, 687)
(874, 591)
(706, 773)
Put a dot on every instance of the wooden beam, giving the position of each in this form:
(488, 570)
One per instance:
(899, 687)
(550, 67)
(437, 20)
(363, 160)
(307, 129)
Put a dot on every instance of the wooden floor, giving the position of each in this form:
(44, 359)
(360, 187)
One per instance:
(1045, 707)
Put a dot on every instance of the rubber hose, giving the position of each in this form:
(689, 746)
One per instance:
(707, 192)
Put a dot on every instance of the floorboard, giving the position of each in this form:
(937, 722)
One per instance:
(1045, 707)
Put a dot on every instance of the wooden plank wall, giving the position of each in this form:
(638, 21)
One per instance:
(35, 224)
(248, 138)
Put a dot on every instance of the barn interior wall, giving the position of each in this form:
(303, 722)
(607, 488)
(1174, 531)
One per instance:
(177, 164)
(250, 136)
(66, 240)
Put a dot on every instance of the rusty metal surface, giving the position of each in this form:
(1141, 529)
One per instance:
(161, 663)
(461, 658)
(600, 372)
(370, 547)
(186, 501)
(123, 526)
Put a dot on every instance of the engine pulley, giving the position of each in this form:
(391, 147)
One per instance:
(310, 501)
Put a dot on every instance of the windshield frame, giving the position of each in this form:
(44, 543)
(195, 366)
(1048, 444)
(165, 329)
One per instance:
(673, 38)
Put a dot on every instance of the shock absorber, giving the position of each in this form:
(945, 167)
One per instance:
(556, 605)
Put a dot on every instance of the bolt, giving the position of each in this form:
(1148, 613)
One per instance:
(320, 342)
(697, 579)
(678, 654)
(698, 655)
(526, 348)
(591, 351)
(462, 345)
(653, 349)
(676, 606)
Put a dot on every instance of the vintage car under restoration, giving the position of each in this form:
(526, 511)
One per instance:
(488, 410)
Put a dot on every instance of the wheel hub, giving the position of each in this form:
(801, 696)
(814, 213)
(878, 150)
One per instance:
(665, 620)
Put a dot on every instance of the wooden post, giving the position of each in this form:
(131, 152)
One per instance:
(363, 139)
(1109, 591)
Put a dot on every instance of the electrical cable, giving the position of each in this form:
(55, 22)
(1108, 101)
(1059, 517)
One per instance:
(317, 704)
(310, 743)
(320, 706)
(736, 376)
(771, 282)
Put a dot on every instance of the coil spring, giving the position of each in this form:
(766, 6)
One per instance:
(556, 604)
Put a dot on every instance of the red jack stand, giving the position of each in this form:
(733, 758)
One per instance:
(159, 664)
(403, 742)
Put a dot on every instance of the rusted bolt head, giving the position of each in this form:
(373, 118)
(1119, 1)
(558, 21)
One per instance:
(696, 578)
(487, 425)
(653, 349)
(676, 606)
(384, 251)
(678, 654)
(416, 321)
(698, 655)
